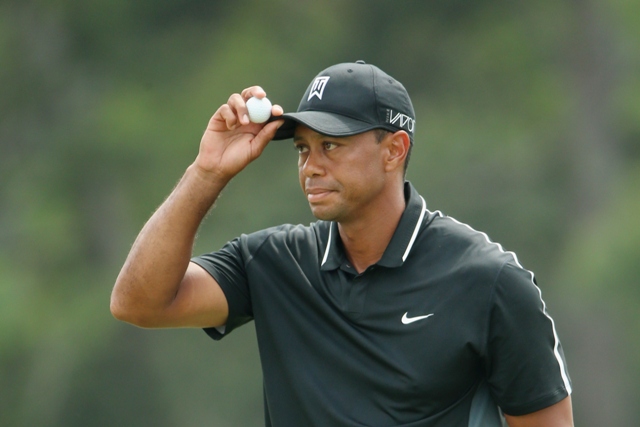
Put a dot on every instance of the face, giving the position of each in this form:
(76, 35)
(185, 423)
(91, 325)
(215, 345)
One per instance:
(341, 177)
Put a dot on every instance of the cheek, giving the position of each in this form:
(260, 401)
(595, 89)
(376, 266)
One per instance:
(359, 180)
(367, 169)
(301, 179)
(300, 174)
(371, 177)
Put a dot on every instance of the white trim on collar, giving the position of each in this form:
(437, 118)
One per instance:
(326, 251)
(415, 231)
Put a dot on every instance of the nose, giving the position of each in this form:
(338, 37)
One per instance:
(311, 164)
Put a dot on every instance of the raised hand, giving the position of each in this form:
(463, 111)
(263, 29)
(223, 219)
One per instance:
(231, 141)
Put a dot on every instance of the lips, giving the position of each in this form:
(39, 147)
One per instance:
(316, 194)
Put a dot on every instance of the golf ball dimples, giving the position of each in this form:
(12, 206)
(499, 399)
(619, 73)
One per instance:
(259, 109)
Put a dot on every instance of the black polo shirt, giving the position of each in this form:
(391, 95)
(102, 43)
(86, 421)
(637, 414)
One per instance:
(443, 326)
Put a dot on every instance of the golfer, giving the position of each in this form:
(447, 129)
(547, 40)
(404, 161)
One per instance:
(381, 313)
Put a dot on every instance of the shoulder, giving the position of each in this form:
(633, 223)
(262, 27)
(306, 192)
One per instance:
(458, 240)
(462, 254)
(284, 236)
(287, 232)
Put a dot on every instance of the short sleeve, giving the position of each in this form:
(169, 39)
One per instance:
(227, 267)
(525, 363)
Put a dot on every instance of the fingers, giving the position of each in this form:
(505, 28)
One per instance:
(238, 102)
(276, 110)
(224, 119)
(234, 113)
(256, 91)
(265, 135)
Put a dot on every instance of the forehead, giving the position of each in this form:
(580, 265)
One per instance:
(303, 132)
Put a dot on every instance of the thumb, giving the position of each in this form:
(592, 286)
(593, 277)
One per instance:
(266, 134)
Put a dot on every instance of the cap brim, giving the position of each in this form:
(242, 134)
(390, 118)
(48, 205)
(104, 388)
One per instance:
(321, 122)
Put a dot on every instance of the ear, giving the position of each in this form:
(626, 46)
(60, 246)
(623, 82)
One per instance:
(398, 145)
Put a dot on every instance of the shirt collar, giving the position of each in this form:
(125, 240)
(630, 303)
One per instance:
(401, 243)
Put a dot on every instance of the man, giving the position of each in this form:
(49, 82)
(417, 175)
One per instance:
(381, 313)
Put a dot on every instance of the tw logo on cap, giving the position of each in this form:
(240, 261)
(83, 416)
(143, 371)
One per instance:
(317, 87)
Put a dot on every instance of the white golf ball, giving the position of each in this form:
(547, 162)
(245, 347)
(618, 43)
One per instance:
(259, 109)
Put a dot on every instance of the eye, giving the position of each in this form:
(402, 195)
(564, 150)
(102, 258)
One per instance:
(301, 148)
(328, 145)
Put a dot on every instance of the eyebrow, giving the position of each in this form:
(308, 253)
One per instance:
(298, 138)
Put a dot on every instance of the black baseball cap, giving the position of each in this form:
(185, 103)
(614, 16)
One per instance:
(351, 98)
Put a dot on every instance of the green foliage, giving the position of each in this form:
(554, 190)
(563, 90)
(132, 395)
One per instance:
(527, 129)
(599, 269)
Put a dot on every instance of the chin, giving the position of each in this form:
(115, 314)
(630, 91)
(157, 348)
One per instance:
(324, 214)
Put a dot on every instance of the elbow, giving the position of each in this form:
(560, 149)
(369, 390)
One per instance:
(132, 317)
(119, 310)
(127, 312)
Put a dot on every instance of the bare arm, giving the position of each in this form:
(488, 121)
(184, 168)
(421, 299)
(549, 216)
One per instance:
(158, 286)
(558, 415)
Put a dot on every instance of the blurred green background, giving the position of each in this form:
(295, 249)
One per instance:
(528, 128)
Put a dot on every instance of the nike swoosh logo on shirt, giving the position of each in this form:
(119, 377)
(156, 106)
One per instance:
(406, 319)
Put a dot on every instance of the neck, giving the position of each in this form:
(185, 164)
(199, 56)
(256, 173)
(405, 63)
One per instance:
(366, 238)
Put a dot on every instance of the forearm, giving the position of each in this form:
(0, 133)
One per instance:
(153, 271)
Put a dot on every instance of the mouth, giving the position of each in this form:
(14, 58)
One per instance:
(315, 195)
